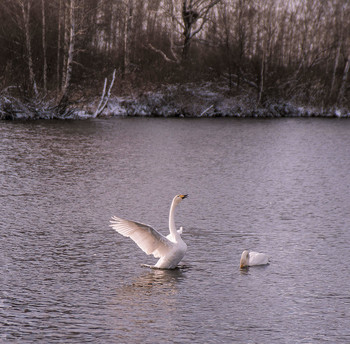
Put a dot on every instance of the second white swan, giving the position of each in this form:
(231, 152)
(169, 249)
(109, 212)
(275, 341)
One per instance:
(253, 258)
(170, 249)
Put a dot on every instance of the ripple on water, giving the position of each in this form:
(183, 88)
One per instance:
(280, 187)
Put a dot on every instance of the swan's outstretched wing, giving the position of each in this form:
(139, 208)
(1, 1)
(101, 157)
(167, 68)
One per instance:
(147, 238)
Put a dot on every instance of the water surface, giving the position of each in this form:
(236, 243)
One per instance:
(276, 186)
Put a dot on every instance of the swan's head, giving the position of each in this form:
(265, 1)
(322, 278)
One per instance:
(244, 259)
(178, 198)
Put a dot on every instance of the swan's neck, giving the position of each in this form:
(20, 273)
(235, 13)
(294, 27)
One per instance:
(172, 227)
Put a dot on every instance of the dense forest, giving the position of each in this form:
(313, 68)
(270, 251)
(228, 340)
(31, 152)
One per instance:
(274, 50)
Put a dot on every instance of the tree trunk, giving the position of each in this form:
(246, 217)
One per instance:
(44, 45)
(25, 14)
(191, 13)
(66, 25)
(343, 84)
(104, 97)
(336, 62)
(189, 17)
(69, 67)
(127, 36)
(59, 34)
(261, 79)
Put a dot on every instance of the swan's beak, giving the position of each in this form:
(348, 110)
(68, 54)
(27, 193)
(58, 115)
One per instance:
(183, 196)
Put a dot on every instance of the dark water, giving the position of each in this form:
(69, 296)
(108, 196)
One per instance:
(276, 186)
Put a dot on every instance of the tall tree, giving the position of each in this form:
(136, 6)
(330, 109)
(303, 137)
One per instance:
(70, 37)
(58, 63)
(343, 82)
(191, 18)
(129, 13)
(26, 9)
(194, 11)
(43, 16)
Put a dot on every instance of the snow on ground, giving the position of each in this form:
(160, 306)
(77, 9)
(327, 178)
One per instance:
(206, 100)
(182, 100)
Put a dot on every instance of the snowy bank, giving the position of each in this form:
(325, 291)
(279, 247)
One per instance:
(206, 100)
(189, 100)
(14, 108)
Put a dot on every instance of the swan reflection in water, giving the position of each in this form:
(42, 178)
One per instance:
(155, 284)
(159, 279)
(150, 299)
(158, 289)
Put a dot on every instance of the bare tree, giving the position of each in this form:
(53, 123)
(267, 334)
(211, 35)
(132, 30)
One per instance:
(339, 27)
(194, 11)
(70, 53)
(127, 34)
(343, 82)
(104, 97)
(43, 16)
(191, 19)
(59, 34)
(26, 8)
(290, 49)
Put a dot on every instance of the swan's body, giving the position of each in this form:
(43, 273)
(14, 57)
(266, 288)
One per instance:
(253, 258)
(170, 249)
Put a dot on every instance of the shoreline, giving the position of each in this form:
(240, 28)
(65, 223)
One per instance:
(189, 100)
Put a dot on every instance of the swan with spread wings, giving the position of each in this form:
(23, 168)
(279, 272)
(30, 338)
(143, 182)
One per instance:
(170, 249)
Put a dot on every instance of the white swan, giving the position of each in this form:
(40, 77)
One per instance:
(170, 249)
(253, 258)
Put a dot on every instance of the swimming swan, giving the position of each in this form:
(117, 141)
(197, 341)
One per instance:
(170, 249)
(253, 258)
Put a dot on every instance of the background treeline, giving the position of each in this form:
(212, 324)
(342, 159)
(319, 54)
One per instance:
(295, 50)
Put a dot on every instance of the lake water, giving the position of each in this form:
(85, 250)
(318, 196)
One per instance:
(281, 187)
